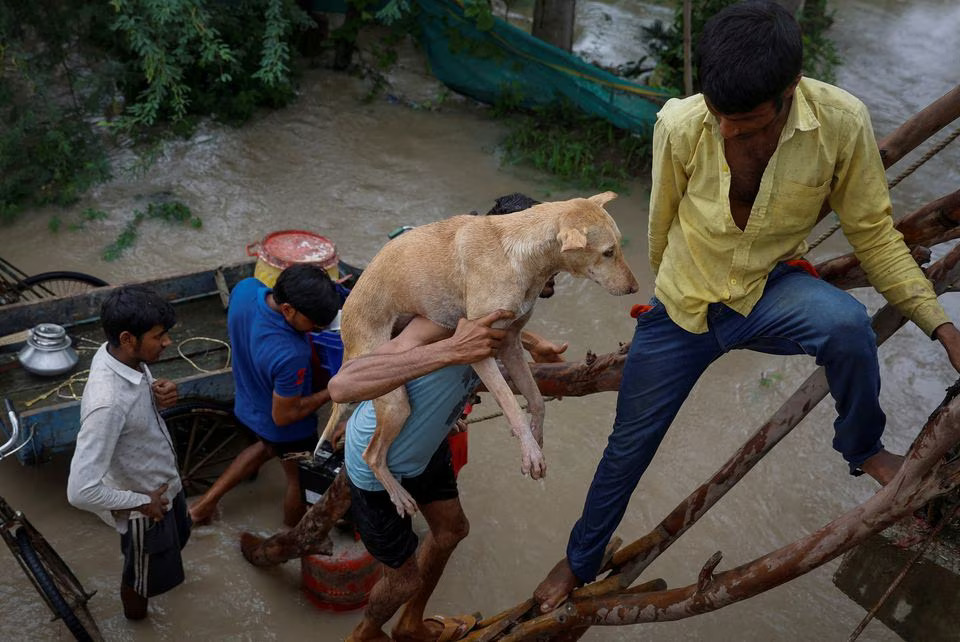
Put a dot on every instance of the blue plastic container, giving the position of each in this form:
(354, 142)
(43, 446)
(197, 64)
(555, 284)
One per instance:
(330, 348)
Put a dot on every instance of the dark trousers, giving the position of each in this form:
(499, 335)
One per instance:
(797, 314)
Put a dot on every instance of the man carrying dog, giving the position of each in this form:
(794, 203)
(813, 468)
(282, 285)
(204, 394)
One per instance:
(435, 367)
(273, 377)
(740, 174)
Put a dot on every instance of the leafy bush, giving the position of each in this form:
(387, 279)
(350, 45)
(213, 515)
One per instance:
(68, 65)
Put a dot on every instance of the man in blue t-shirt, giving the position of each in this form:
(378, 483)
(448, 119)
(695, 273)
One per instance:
(273, 377)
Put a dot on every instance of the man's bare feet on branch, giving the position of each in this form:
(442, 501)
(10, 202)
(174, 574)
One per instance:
(883, 466)
(555, 588)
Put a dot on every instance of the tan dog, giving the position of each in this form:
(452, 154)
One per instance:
(469, 266)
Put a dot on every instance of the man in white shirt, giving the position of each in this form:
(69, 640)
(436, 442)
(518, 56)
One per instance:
(124, 468)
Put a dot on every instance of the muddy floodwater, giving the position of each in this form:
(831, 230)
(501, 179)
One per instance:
(354, 171)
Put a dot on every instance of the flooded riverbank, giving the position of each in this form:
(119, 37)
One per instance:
(355, 171)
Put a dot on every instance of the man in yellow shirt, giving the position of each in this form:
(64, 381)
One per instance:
(740, 173)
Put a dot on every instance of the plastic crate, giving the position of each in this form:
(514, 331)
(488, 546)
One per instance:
(330, 349)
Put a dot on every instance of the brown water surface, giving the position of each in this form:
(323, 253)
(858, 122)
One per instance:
(355, 171)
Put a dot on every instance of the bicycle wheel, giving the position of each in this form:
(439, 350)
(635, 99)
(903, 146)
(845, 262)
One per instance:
(76, 618)
(54, 284)
(207, 437)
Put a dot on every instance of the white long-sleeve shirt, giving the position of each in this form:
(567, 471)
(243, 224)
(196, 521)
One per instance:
(124, 450)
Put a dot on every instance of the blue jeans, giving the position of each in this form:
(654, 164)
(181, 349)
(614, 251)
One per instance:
(797, 314)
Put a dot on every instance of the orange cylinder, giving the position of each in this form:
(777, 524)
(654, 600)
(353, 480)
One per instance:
(341, 581)
(280, 250)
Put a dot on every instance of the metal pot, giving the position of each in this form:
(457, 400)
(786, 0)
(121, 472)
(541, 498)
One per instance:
(48, 351)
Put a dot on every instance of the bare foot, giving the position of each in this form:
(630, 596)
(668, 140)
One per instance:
(883, 466)
(366, 632)
(203, 516)
(555, 588)
(433, 628)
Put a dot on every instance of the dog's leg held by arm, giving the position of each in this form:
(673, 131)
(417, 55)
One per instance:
(513, 359)
(532, 461)
(336, 410)
(392, 411)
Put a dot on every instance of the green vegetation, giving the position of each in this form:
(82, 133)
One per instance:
(171, 212)
(578, 148)
(74, 73)
(589, 151)
(69, 67)
(666, 42)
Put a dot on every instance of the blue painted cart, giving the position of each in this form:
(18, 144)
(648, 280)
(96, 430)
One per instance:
(202, 424)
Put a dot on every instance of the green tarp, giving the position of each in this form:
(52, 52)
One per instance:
(508, 63)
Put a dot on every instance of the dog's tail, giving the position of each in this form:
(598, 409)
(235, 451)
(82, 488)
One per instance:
(336, 411)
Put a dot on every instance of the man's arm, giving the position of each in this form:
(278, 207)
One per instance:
(419, 349)
(668, 184)
(164, 393)
(949, 337)
(860, 197)
(287, 410)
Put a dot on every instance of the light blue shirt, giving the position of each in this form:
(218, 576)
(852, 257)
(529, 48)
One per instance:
(436, 402)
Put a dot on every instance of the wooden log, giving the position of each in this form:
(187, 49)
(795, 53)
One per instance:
(933, 223)
(310, 535)
(578, 378)
(924, 475)
(920, 127)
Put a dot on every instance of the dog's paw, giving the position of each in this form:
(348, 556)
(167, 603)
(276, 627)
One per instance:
(534, 463)
(404, 503)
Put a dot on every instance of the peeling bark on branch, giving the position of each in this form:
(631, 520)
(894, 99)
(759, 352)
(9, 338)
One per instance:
(923, 477)
(920, 127)
(309, 536)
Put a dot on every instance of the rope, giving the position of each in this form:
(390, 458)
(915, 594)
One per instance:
(930, 154)
(494, 415)
(936, 149)
(190, 361)
(67, 383)
(80, 377)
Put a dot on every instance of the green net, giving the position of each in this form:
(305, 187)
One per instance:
(508, 64)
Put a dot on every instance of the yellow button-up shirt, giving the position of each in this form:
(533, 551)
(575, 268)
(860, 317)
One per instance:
(827, 152)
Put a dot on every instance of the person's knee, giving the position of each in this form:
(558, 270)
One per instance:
(849, 332)
(453, 534)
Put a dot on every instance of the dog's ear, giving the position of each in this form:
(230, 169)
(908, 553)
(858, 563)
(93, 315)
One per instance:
(571, 239)
(602, 199)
